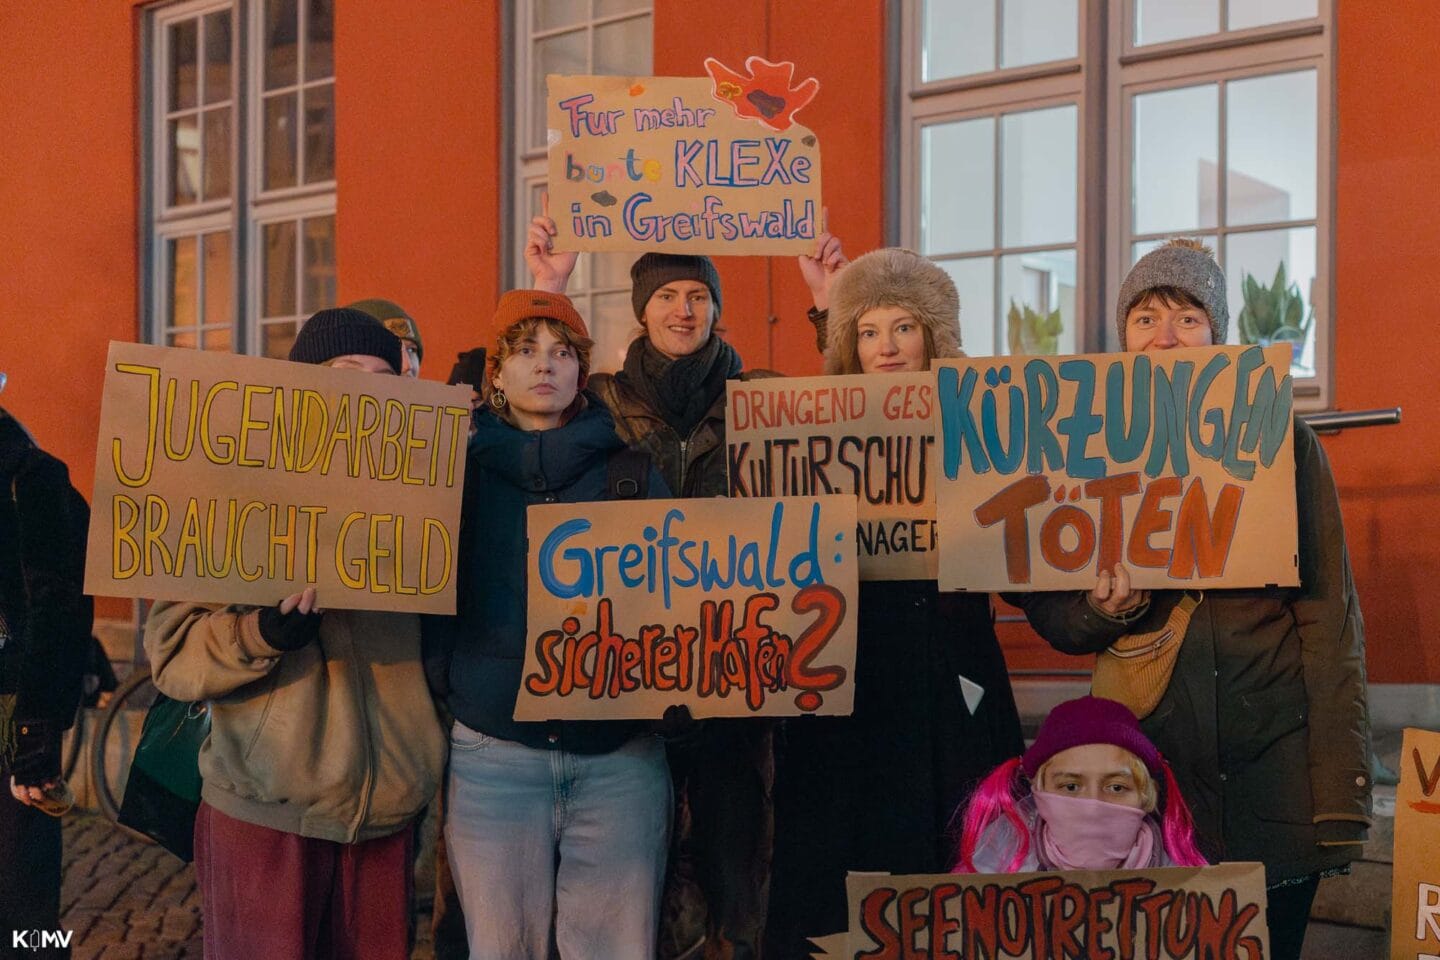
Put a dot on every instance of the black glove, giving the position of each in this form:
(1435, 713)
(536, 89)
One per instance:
(288, 631)
(37, 752)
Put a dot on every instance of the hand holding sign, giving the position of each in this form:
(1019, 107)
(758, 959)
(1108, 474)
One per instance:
(551, 268)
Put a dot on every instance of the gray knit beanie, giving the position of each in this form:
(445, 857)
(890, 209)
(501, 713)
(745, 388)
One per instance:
(654, 270)
(342, 331)
(1185, 268)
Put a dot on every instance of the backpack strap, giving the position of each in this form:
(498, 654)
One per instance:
(627, 475)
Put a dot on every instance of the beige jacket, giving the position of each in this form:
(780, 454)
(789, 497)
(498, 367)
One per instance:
(338, 740)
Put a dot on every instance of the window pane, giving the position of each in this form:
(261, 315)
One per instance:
(975, 279)
(957, 186)
(319, 264)
(219, 286)
(611, 269)
(1270, 143)
(217, 56)
(1263, 310)
(1175, 163)
(280, 141)
(184, 339)
(276, 339)
(563, 54)
(1039, 150)
(184, 160)
(278, 296)
(1037, 31)
(282, 24)
(1157, 21)
(319, 133)
(624, 48)
(559, 13)
(181, 254)
(216, 339)
(959, 38)
(1254, 13)
(1038, 298)
(183, 52)
(217, 153)
(612, 324)
(606, 8)
(320, 40)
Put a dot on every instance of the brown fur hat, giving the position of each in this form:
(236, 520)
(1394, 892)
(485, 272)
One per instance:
(891, 277)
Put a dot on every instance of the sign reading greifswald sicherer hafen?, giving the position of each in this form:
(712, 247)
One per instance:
(229, 479)
(732, 608)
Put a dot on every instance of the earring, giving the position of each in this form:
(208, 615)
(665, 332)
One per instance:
(497, 399)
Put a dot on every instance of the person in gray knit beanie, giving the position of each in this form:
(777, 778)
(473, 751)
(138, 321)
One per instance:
(1182, 273)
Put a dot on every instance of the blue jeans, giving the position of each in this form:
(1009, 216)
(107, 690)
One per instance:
(548, 845)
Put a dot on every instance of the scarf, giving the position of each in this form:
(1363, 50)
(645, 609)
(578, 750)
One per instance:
(1080, 834)
(681, 390)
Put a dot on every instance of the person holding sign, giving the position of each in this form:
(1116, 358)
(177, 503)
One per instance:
(933, 707)
(556, 832)
(324, 745)
(669, 402)
(1092, 793)
(1265, 712)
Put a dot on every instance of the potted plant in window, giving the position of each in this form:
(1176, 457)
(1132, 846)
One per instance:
(1275, 314)
(1033, 333)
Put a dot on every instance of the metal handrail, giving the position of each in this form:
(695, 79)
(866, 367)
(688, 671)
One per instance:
(1332, 421)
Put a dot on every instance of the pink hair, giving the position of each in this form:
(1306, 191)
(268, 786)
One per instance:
(999, 794)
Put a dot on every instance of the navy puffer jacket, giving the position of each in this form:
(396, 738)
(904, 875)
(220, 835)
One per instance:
(475, 658)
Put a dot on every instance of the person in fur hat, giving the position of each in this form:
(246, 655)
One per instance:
(874, 791)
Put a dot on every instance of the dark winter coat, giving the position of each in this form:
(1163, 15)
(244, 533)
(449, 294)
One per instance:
(877, 790)
(1265, 720)
(475, 658)
(693, 465)
(45, 618)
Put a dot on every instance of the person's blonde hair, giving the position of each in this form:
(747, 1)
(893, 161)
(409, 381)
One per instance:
(1144, 783)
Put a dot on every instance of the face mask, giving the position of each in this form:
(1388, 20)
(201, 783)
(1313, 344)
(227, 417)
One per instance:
(1081, 834)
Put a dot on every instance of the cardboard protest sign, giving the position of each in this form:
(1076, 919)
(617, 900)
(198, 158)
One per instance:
(733, 608)
(1215, 913)
(871, 437)
(684, 164)
(1180, 463)
(1415, 894)
(230, 479)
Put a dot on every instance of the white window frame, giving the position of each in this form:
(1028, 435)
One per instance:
(531, 165)
(1101, 81)
(163, 223)
(1221, 58)
(995, 93)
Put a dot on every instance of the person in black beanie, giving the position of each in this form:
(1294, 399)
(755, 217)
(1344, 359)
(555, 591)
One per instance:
(324, 747)
(668, 401)
(45, 622)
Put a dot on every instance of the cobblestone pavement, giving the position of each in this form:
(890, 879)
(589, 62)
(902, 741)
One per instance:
(127, 900)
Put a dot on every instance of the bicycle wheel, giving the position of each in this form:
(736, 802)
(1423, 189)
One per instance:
(138, 689)
(75, 739)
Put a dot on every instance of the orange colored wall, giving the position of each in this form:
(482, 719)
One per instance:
(69, 166)
(1387, 242)
(418, 160)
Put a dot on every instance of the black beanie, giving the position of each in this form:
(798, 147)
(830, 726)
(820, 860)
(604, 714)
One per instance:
(342, 331)
(654, 270)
